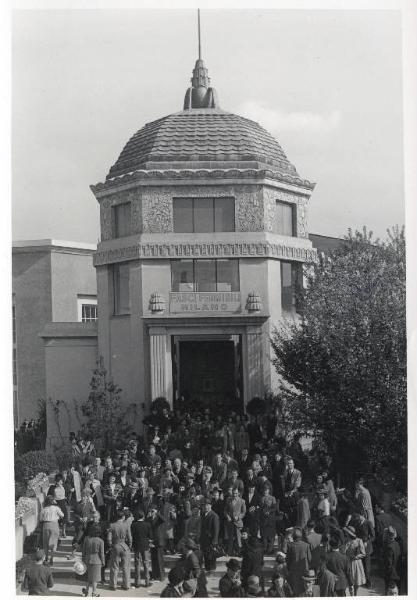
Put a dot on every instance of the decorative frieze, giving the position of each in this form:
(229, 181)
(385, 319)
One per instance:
(205, 250)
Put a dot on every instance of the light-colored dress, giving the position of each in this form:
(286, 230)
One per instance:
(355, 551)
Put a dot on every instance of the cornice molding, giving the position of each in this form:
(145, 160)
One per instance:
(172, 176)
(205, 250)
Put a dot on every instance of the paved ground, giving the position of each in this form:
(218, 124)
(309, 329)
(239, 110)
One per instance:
(67, 584)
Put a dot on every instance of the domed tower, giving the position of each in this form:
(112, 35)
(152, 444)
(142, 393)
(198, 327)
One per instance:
(203, 236)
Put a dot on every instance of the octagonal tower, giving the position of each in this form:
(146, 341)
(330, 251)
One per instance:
(203, 236)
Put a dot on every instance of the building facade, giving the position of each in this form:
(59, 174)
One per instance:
(52, 282)
(203, 237)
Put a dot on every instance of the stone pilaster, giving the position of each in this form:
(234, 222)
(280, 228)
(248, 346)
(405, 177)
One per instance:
(254, 378)
(160, 361)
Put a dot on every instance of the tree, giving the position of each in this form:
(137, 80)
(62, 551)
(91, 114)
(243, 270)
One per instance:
(343, 363)
(108, 419)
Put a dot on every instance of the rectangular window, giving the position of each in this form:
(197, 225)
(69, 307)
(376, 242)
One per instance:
(227, 275)
(88, 313)
(205, 275)
(285, 219)
(203, 215)
(291, 281)
(221, 275)
(182, 275)
(87, 308)
(121, 288)
(224, 214)
(122, 220)
(183, 215)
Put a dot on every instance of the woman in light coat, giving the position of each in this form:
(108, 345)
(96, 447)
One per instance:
(355, 551)
(49, 517)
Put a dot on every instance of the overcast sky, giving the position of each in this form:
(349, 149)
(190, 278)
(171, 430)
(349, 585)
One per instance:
(326, 84)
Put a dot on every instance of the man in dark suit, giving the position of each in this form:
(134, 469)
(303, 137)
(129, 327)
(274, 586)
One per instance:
(133, 498)
(157, 543)
(339, 565)
(209, 535)
(252, 500)
(252, 558)
(291, 480)
(219, 469)
(244, 462)
(278, 469)
(230, 585)
(391, 556)
(298, 560)
(141, 535)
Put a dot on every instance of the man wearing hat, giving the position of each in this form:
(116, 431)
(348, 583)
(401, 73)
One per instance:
(230, 585)
(156, 543)
(391, 557)
(38, 577)
(192, 568)
(298, 560)
(210, 526)
(309, 579)
(253, 588)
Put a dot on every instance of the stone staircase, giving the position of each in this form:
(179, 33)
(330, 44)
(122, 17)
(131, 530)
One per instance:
(67, 583)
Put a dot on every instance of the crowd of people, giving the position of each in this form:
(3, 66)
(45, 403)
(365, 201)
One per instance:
(206, 486)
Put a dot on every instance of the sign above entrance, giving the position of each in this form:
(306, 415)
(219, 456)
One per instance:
(204, 302)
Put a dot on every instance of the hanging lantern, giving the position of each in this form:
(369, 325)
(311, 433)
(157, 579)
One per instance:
(253, 303)
(157, 303)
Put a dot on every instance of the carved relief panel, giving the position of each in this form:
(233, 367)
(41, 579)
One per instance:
(106, 218)
(271, 196)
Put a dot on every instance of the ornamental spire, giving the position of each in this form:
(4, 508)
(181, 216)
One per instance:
(200, 94)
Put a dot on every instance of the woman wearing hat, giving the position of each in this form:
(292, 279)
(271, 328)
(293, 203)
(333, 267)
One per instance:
(49, 517)
(309, 579)
(355, 551)
(93, 557)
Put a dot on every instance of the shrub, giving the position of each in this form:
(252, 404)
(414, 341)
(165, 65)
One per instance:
(30, 464)
(64, 457)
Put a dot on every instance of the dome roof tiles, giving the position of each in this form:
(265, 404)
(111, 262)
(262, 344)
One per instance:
(201, 135)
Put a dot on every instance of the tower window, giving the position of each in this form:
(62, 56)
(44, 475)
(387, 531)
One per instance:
(121, 288)
(285, 219)
(122, 220)
(220, 275)
(291, 282)
(202, 215)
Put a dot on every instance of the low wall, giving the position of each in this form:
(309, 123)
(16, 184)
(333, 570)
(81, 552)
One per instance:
(27, 524)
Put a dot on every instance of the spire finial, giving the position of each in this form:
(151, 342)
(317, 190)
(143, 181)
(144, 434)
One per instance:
(200, 94)
(199, 34)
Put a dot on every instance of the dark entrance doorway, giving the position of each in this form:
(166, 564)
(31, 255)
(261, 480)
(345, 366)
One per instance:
(208, 374)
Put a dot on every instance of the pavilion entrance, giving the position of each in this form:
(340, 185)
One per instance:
(207, 373)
